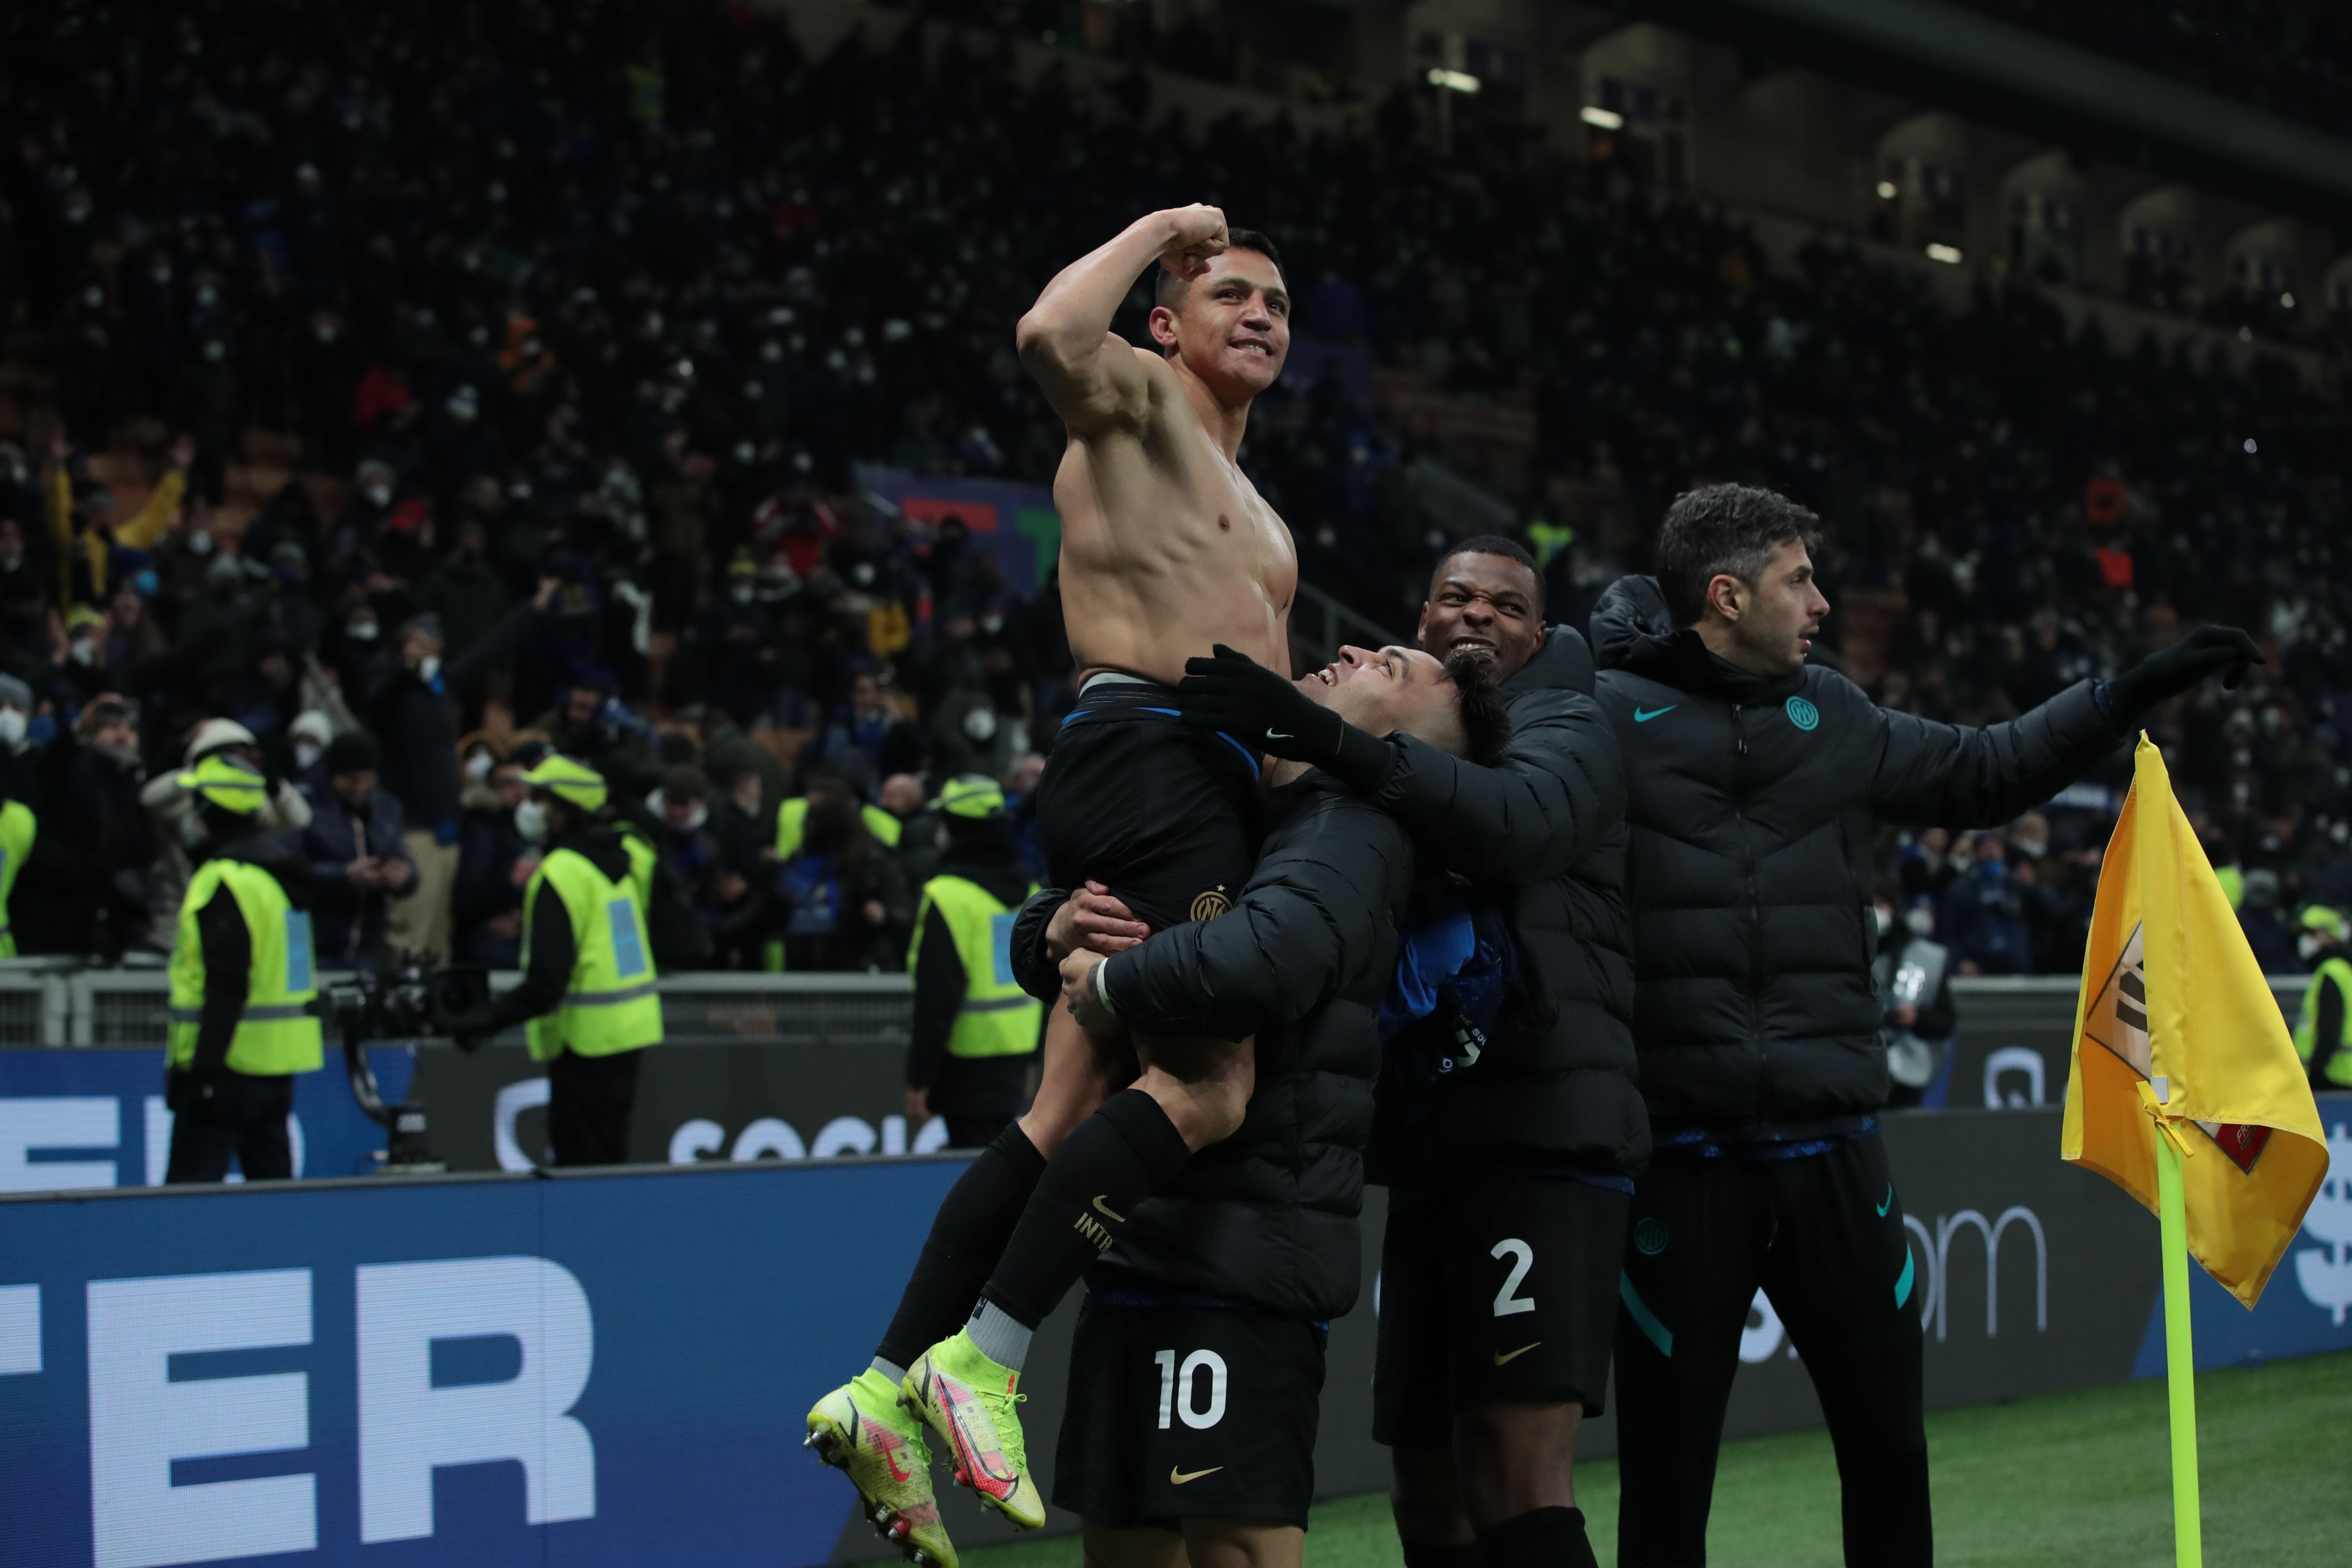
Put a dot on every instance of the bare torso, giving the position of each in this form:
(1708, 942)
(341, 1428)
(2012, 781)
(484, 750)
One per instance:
(1167, 548)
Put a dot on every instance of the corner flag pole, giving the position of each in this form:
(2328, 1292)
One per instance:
(2179, 1356)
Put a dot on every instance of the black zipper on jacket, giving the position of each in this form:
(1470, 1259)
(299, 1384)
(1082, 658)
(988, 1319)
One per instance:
(1755, 905)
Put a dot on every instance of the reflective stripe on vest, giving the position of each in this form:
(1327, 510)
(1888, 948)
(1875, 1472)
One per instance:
(17, 827)
(611, 1004)
(2331, 1059)
(997, 1018)
(276, 1032)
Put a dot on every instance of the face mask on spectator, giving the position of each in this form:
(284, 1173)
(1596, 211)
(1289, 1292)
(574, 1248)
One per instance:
(1920, 923)
(478, 766)
(378, 495)
(216, 350)
(146, 582)
(12, 726)
(980, 724)
(740, 593)
(84, 652)
(427, 667)
(200, 541)
(2308, 945)
(991, 624)
(531, 821)
(307, 752)
(361, 631)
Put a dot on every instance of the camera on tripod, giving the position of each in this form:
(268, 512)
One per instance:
(409, 996)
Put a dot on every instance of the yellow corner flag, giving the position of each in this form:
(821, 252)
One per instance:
(2175, 1024)
(2187, 1092)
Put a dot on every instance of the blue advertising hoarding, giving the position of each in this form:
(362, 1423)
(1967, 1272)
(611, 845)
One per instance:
(465, 1371)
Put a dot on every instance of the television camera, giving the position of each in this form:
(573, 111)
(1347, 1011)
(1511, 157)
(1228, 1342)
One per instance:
(408, 995)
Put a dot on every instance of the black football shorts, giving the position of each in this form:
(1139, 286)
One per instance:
(1179, 1412)
(1497, 1285)
(1165, 816)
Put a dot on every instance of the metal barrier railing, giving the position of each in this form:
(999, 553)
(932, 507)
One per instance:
(51, 1005)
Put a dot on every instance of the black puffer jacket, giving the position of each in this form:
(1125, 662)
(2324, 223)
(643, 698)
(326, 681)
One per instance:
(1544, 832)
(1751, 801)
(1268, 1216)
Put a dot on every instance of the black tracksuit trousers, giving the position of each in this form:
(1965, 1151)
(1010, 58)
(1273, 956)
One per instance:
(1823, 1235)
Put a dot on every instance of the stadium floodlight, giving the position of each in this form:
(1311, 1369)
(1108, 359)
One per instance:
(1604, 118)
(1452, 81)
(1886, 190)
(1948, 254)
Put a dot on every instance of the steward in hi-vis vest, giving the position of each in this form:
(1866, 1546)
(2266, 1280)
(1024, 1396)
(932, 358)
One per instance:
(244, 979)
(587, 997)
(17, 830)
(2323, 1030)
(975, 1031)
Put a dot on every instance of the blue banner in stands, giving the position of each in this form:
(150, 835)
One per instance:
(1015, 523)
(459, 1371)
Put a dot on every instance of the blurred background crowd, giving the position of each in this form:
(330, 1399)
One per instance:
(400, 390)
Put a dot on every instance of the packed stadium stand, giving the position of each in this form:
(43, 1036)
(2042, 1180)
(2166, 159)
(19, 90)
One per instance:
(325, 319)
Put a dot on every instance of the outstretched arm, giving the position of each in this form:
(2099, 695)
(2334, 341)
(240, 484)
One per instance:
(1092, 376)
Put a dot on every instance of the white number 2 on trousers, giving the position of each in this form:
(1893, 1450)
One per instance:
(1177, 1384)
(1506, 1303)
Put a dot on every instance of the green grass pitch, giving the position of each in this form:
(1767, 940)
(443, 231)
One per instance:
(2071, 1480)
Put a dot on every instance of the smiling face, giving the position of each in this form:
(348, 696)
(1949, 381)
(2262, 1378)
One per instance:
(1391, 689)
(1486, 604)
(1230, 326)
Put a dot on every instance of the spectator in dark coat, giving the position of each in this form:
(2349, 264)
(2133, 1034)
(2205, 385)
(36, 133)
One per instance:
(414, 706)
(494, 863)
(841, 901)
(870, 728)
(354, 846)
(1983, 916)
(96, 890)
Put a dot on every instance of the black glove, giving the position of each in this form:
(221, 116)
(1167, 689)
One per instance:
(2167, 673)
(1232, 693)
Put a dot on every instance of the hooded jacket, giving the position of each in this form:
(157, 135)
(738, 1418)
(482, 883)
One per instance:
(1301, 961)
(1751, 800)
(1545, 835)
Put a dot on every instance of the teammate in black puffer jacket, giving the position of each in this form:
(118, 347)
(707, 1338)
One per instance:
(1268, 1216)
(1753, 779)
(1751, 800)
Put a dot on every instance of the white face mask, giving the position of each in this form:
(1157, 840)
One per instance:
(531, 821)
(378, 495)
(84, 652)
(427, 667)
(361, 631)
(740, 593)
(478, 766)
(1920, 923)
(12, 726)
(306, 753)
(980, 724)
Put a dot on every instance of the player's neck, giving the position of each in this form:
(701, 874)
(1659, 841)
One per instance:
(1226, 422)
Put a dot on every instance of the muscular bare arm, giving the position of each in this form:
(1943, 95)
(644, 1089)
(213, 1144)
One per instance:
(1094, 378)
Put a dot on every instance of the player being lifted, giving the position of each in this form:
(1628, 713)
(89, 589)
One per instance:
(1166, 550)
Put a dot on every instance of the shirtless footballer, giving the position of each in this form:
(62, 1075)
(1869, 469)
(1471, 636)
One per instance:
(1166, 550)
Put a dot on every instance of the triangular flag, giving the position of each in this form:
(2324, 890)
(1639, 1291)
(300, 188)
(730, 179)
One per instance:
(2172, 998)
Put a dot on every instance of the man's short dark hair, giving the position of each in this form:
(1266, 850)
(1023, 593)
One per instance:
(1733, 529)
(353, 751)
(1494, 544)
(1171, 292)
(1485, 716)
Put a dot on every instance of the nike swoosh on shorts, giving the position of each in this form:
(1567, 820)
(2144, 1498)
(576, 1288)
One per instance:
(1503, 1355)
(1177, 1477)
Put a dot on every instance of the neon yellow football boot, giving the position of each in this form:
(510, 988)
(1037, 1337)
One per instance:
(968, 1399)
(860, 1431)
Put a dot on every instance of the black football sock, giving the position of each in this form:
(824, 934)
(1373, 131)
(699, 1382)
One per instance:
(1116, 1158)
(1540, 1538)
(1465, 1554)
(968, 1232)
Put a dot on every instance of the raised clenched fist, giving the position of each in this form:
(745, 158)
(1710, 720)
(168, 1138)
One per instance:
(1199, 232)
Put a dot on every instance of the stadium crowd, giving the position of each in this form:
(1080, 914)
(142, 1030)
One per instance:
(577, 322)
